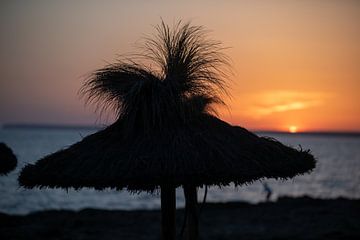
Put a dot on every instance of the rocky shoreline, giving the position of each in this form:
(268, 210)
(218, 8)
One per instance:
(287, 218)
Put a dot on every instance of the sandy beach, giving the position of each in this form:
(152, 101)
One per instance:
(288, 218)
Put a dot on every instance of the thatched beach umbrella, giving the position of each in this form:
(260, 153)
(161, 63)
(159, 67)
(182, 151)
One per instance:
(8, 159)
(165, 135)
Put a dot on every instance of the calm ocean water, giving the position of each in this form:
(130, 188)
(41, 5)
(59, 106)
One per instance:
(337, 175)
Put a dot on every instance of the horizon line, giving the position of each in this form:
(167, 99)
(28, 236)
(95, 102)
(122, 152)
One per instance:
(100, 126)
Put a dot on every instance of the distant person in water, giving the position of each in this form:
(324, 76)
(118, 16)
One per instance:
(268, 191)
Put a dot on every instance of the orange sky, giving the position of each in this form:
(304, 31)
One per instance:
(295, 63)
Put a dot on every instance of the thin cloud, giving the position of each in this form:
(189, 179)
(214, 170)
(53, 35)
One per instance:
(271, 102)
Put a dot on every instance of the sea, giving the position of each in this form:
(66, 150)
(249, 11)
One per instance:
(337, 174)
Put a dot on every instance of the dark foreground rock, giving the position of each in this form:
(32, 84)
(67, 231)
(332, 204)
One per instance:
(288, 218)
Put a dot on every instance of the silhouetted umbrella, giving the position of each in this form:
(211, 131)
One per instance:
(165, 135)
(8, 160)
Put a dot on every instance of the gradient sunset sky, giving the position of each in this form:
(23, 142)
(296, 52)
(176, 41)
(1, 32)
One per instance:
(296, 64)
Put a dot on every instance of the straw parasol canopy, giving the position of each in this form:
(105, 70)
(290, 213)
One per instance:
(8, 160)
(203, 151)
(166, 134)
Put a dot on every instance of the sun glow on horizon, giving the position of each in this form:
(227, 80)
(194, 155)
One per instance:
(293, 129)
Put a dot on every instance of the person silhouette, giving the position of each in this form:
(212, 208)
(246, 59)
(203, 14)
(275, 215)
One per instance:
(268, 191)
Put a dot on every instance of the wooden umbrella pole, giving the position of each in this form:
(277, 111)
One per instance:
(192, 217)
(168, 208)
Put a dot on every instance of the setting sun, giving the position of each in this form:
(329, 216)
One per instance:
(293, 129)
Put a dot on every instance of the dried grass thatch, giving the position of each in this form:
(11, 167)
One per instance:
(203, 151)
(8, 160)
(165, 133)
